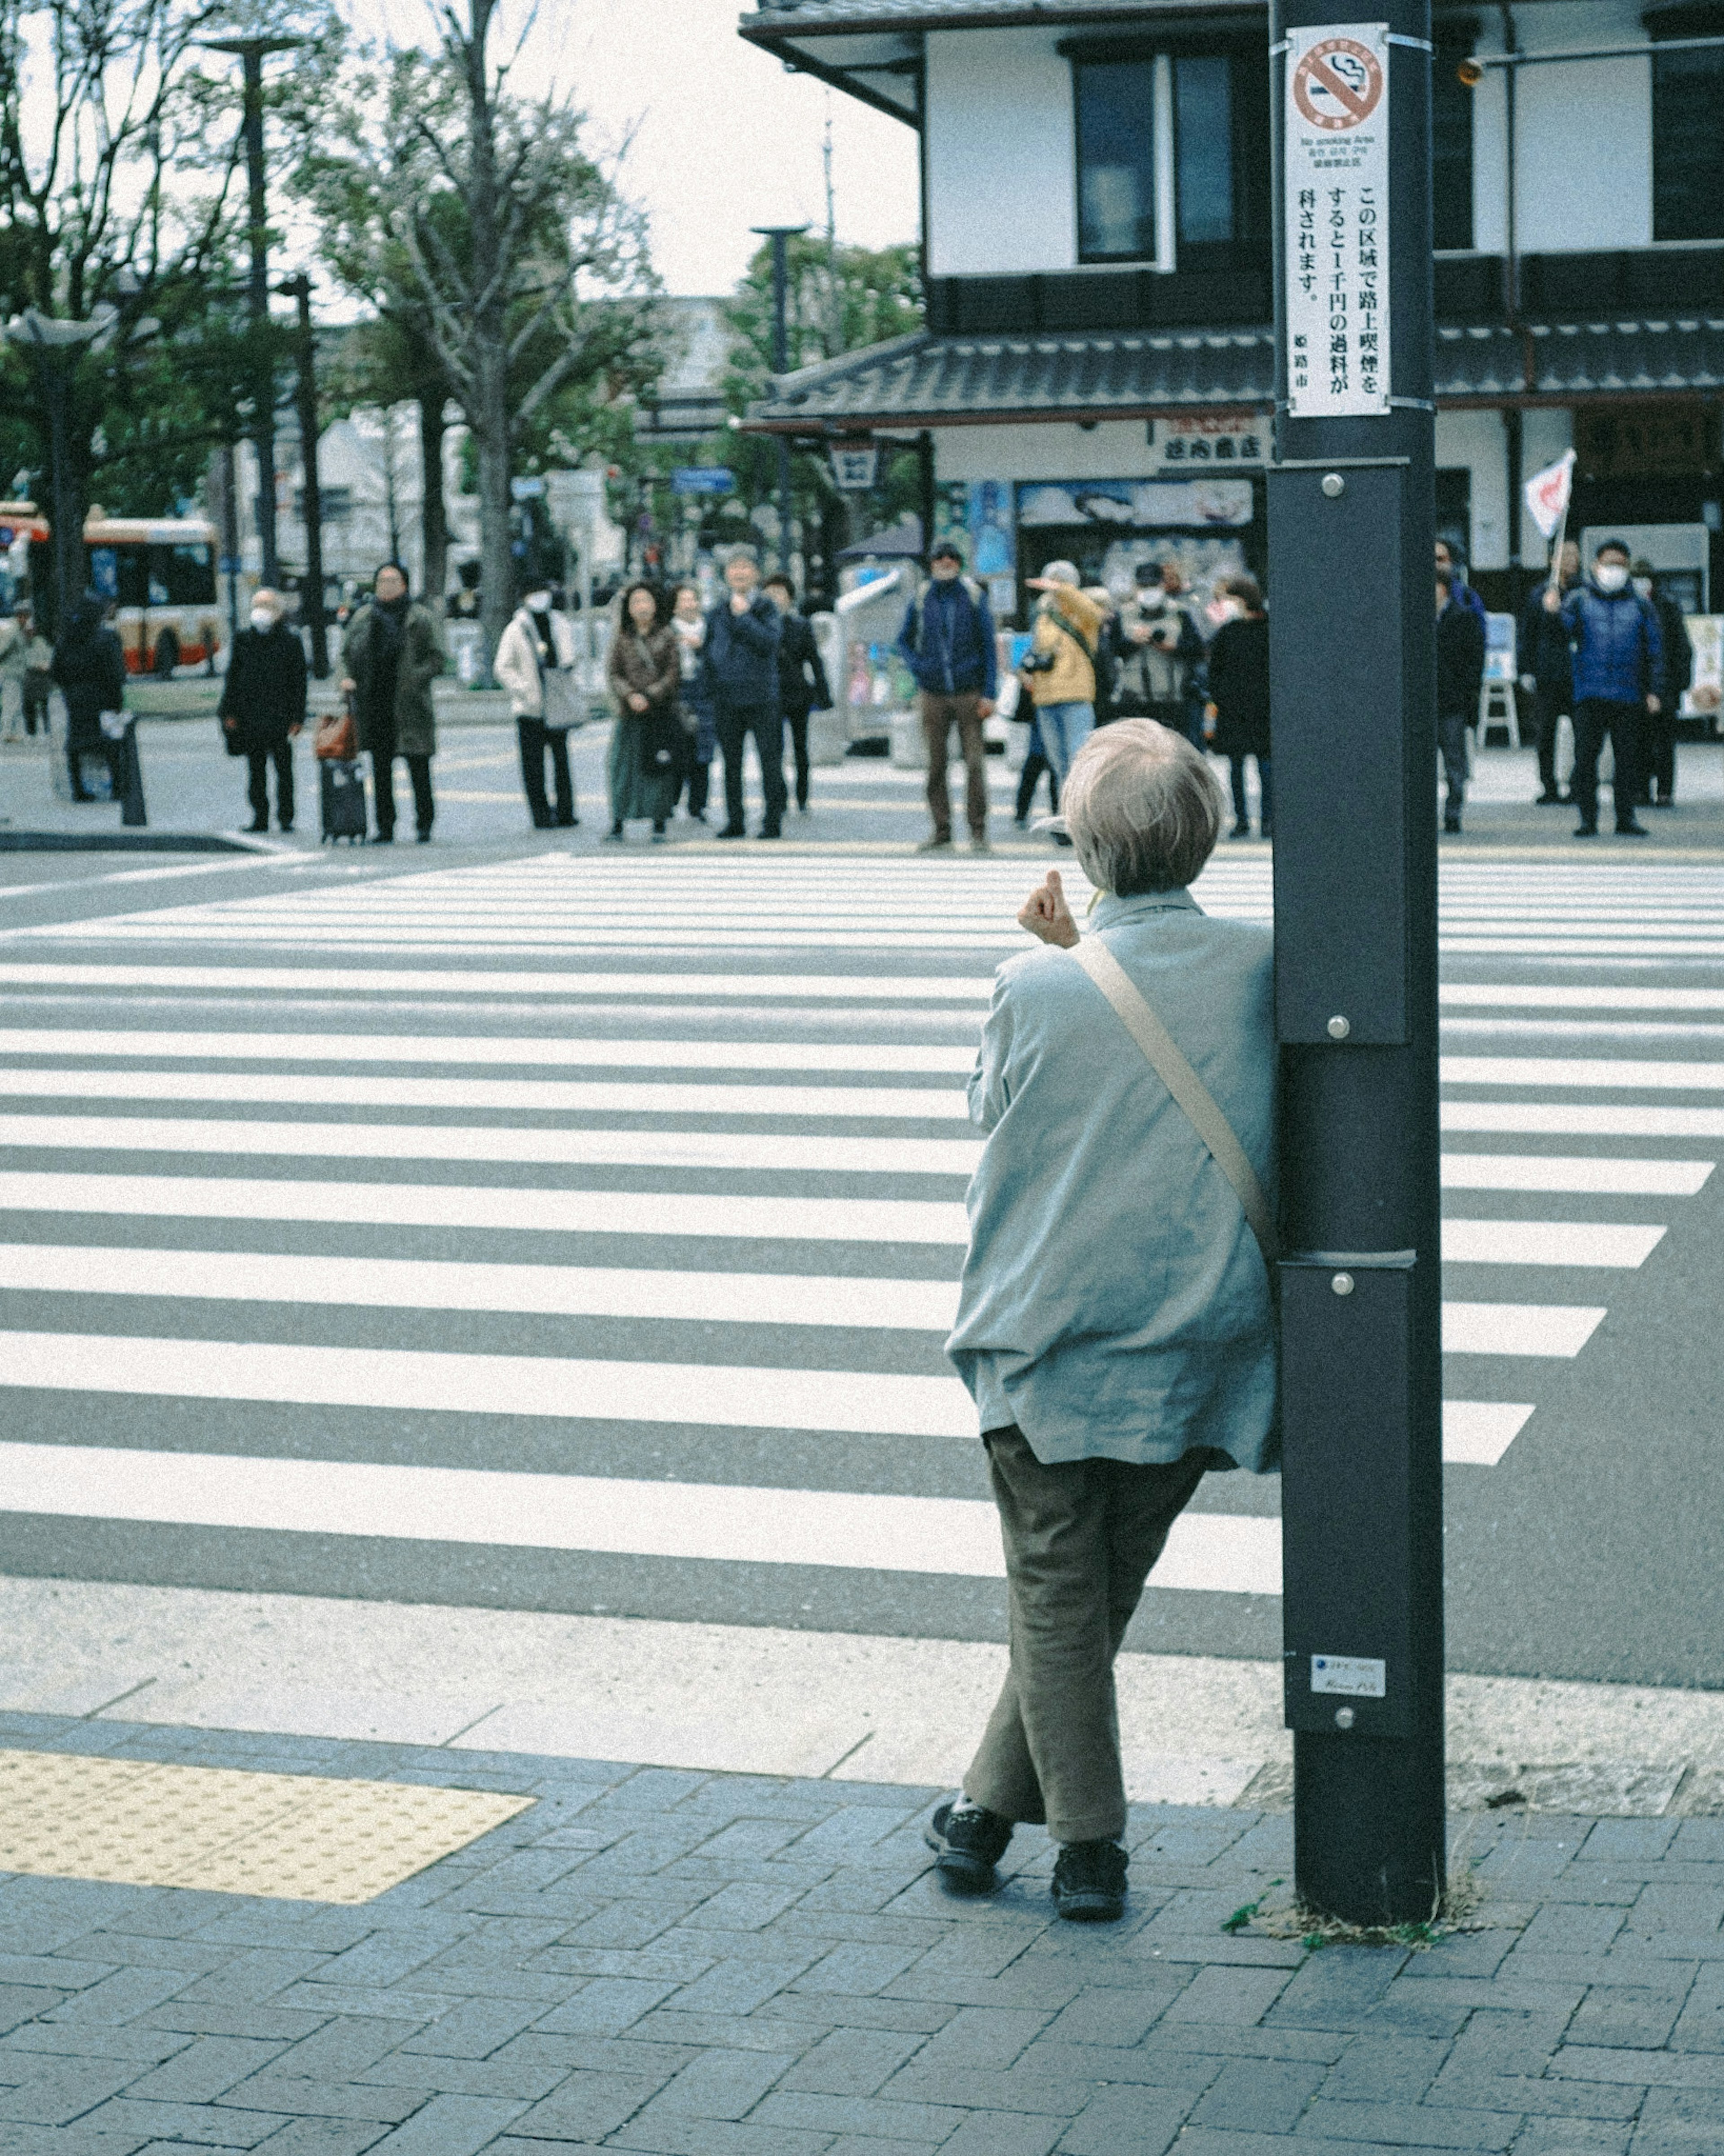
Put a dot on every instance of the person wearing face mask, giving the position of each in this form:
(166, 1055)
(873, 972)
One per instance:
(537, 642)
(1658, 773)
(263, 706)
(1619, 671)
(687, 625)
(392, 652)
(1160, 646)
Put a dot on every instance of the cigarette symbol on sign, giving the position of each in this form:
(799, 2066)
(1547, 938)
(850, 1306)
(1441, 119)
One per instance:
(1337, 84)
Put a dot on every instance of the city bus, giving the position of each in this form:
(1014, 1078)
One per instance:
(159, 572)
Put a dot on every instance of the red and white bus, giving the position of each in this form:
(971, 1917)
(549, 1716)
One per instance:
(159, 572)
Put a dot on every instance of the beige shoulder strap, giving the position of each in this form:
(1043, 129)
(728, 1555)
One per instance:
(1162, 1053)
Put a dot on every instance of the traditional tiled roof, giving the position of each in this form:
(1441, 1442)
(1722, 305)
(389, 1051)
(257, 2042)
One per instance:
(927, 381)
(801, 15)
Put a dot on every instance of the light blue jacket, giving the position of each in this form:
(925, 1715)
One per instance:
(1115, 1303)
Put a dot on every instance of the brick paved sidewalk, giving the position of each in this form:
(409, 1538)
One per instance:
(721, 1965)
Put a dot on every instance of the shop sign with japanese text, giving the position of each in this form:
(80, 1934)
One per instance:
(1336, 301)
(1189, 441)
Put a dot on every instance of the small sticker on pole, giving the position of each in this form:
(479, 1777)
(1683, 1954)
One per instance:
(1334, 270)
(1354, 1676)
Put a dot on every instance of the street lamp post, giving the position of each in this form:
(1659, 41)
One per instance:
(53, 342)
(780, 236)
(251, 51)
(1352, 515)
(311, 611)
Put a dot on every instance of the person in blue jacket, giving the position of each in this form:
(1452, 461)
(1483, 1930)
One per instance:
(1618, 671)
(742, 633)
(948, 642)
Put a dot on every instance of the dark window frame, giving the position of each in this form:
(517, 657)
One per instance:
(1687, 148)
(1452, 117)
(1088, 254)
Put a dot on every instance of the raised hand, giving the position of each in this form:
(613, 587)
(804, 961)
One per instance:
(1047, 917)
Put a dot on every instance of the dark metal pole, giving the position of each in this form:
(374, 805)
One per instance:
(781, 365)
(258, 218)
(1352, 516)
(68, 576)
(312, 610)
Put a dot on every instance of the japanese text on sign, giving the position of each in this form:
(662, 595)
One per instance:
(1336, 264)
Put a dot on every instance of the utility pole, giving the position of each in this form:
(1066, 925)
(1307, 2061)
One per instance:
(780, 234)
(298, 290)
(251, 52)
(1352, 516)
(55, 341)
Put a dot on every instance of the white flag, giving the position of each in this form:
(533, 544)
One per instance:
(1548, 493)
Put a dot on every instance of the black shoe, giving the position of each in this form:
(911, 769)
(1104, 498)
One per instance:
(1664, 801)
(285, 829)
(1061, 838)
(1090, 1882)
(568, 822)
(252, 829)
(1586, 830)
(697, 815)
(733, 831)
(544, 823)
(424, 837)
(970, 1843)
(1550, 799)
(771, 831)
(1631, 830)
(384, 839)
(1265, 830)
(1451, 820)
(1241, 829)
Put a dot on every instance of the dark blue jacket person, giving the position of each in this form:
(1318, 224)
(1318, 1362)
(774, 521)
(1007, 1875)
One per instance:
(741, 656)
(1618, 672)
(948, 642)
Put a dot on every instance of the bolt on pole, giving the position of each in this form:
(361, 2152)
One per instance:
(1352, 616)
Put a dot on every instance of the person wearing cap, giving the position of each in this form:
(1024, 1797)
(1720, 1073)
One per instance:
(1160, 646)
(1658, 737)
(948, 642)
(1060, 663)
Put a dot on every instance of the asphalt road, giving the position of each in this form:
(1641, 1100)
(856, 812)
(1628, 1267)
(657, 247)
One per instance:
(571, 1229)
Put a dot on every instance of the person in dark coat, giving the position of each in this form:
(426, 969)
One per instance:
(90, 667)
(263, 706)
(391, 651)
(689, 625)
(1547, 670)
(643, 673)
(1658, 729)
(742, 633)
(1460, 669)
(1618, 669)
(1239, 701)
(803, 686)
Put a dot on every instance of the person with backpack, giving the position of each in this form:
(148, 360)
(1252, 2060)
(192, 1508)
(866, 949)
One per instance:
(948, 642)
(1060, 663)
(1618, 671)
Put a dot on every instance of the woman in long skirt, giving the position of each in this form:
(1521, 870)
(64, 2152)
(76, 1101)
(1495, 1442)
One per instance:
(645, 673)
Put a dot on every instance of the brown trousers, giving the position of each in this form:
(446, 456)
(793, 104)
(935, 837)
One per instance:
(1081, 1538)
(939, 714)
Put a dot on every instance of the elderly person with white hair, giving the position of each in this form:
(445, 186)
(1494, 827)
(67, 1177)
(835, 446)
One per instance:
(1115, 1324)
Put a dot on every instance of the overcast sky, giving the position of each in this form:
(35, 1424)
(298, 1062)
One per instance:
(724, 138)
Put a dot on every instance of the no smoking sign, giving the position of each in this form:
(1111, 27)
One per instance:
(1337, 84)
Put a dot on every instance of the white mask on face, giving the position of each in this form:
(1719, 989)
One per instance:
(1610, 575)
(1642, 585)
(262, 618)
(538, 601)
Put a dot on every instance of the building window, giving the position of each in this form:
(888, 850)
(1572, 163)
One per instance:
(1116, 138)
(1199, 198)
(1687, 143)
(1202, 108)
(1451, 152)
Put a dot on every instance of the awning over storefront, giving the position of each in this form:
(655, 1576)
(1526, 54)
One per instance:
(926, 381)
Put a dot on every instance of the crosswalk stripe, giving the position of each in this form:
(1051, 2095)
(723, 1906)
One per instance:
(1214, 1552)
(780, 1300)
(1477, 1433)
(1581, 1119)
(902, 1058)
(1624, 1073)
(724, 1396)
(654, 1096)
(466, 1205)
(738, 1150)
(1547, 1243)
(1519, 995)
(631, 985)
(1545, 1171)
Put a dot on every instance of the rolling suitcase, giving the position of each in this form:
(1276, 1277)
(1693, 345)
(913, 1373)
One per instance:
(343, 794)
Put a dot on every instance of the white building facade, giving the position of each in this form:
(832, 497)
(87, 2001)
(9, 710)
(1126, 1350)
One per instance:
(1097, 376)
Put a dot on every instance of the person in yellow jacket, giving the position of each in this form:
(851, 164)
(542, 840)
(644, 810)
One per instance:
(1060, 663)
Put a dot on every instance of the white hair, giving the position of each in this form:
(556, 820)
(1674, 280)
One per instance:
(1143, 808)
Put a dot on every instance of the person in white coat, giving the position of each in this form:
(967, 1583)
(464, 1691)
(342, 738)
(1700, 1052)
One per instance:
(537, 642)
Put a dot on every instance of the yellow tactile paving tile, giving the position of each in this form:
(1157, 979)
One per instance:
(224, 1830)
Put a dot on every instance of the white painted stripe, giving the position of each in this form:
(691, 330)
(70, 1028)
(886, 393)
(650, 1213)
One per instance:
(1218, 1553)
(1547, 1243)
(1624, 1073)
(1548, 947)
(499, 1096)
(742, 1151)
(775, 1299)
(463, 1205)
(954, 1060)
(369, 980)
(1505, 995)
(566, 1387)
(1477, 1433)
(358, 935)
(1509, 1328)
(1577, 1119)
(1533, 1171)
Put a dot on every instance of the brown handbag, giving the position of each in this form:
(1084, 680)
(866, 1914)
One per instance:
(337, 739)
